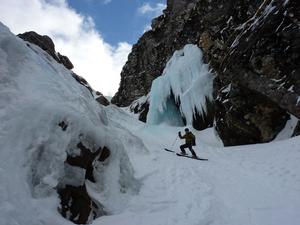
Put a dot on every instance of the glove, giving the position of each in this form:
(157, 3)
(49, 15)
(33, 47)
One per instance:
(179, 133)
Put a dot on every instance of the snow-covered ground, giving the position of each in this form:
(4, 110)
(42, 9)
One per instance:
(249, 185)
(141, 184)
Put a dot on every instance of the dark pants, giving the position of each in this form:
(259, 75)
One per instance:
(182, 147)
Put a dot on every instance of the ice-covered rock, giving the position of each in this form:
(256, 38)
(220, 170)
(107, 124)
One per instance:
(101, 99)
(52, 133)
(140, 107)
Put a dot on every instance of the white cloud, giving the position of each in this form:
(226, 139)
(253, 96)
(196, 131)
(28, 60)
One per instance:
(74, 35)
(106, 1)
(156, 10)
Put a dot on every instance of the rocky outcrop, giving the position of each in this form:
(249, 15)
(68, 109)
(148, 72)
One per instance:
(258, 80)
(76, 204)
(46, 43)
(203, 120)
(82, 81)
(101, 99)
(251, 46)
(297, 130)
(170, 32)
(141, 108)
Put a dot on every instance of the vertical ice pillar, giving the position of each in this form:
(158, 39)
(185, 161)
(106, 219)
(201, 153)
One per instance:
(182, 90)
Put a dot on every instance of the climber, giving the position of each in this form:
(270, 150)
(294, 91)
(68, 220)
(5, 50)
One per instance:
(190, 141)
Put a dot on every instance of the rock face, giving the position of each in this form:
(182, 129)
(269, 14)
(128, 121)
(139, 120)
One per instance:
(251, 46)
(140, 107)
(183, 22)
(45, 43)
(170, 32)
(101, 99)
(258, 80)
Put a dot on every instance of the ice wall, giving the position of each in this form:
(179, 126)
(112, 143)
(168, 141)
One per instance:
(182, 90)
(36, 95)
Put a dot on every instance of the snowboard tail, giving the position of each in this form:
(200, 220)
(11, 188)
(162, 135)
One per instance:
(169, 150)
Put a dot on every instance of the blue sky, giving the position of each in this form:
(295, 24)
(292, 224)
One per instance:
(96, 35)
(118, 20)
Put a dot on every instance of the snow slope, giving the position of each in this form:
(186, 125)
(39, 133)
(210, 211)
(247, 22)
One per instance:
(249, 185)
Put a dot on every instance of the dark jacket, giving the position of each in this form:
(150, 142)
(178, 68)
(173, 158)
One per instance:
(189, 137)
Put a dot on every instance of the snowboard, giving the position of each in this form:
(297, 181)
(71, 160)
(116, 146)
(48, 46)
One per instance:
(187, 156)
(169, 150)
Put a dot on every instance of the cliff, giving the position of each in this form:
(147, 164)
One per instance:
(251, 46)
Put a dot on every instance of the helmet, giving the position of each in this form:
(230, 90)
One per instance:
(186, 130)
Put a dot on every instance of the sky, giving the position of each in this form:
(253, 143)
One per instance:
(96, 35)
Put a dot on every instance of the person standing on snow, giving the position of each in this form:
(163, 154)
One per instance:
(189, 142)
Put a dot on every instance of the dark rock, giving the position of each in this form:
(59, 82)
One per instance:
(252, 47)
(101, 99)
(86, 157)
(46, 43)
(105, 153)
(65, 61)
(245, 117)
(144, 109)
(83, 82)
(98, 96)
(261, 67)
(296, 130)
(175, 5)
(77, 206)
(63, 125)
(204, 120)
(140, 107)
(43, 41)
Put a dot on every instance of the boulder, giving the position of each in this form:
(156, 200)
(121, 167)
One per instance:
(140, 107)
